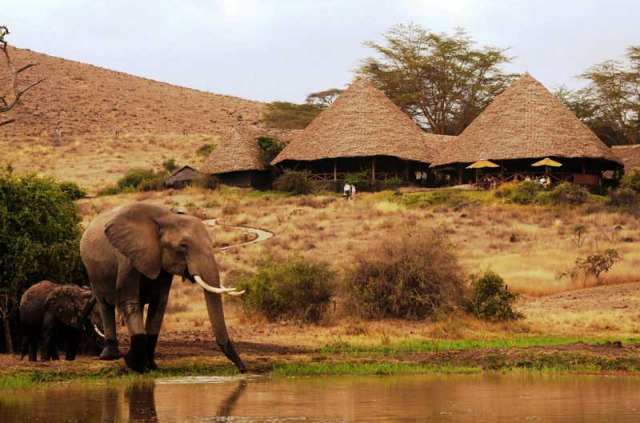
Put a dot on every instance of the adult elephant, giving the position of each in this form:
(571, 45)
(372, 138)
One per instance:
(131, 254)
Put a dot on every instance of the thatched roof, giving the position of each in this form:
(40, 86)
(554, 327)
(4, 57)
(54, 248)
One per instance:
(362, 122)
(526, 121)
(628, 154)
(184, 174)
(239, 149)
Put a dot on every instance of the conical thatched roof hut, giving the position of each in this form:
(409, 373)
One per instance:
(362, 122)
(236, 160)
(526, 121)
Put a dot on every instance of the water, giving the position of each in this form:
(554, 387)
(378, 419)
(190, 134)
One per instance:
(477, 398)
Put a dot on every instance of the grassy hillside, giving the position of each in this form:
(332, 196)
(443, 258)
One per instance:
(91, 124)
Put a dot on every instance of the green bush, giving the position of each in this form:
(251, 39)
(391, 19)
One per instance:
(631, 180)
(39, 237)
(73, 190)
(414, 276)
(594, 264)
(392, 183)
(269, 149)
(490, 298)
(292, 287)
(205, 150)
(441, 197)
(296, 182)
(154, 184)
(567, 193)
(207, 182)
(362, 180)
(525, 192)
(134, 178)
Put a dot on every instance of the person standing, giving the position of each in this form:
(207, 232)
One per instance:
(347, 190)
(353, 192)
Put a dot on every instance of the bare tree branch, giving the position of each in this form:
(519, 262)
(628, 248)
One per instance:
(17, 91)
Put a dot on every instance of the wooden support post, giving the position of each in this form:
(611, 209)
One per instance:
(584, 166)
(406, 171)
(373, 172)
(335, 170)
(459, 174)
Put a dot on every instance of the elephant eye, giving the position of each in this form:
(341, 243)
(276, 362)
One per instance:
(183, 245)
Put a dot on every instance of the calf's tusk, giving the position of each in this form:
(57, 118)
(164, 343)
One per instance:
(98, 331)
(210, 288)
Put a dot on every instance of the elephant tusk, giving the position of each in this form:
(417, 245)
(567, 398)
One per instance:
(98, 331)
(210, 288)
(235, 294)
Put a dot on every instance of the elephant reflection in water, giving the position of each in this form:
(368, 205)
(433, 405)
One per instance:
(142, 404)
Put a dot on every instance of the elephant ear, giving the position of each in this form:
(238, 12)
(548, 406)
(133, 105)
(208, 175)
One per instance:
(136, 235)
(62, 303)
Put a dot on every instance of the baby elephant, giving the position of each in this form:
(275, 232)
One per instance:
(50, 311)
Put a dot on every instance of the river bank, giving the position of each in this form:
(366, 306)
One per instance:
(537, 354)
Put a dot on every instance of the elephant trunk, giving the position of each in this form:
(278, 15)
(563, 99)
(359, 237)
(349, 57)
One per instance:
(209, 272)
(216, 316)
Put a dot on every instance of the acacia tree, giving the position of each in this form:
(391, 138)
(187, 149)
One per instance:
(10, 100)
(610, 103)
(324, 98)
(442, 81)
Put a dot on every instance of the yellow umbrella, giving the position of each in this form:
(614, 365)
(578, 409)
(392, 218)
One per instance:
(547, 162)
(482, 163)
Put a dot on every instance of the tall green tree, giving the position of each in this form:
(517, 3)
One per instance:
(443, 81)
(610, 102)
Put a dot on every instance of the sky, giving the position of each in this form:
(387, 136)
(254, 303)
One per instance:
(270, 50)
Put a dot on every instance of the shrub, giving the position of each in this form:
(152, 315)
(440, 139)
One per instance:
(392, 183)
(524, 192)
(39, 237)
(205, 150)
(413, 276)
(154, 184)
(594, 264)
(73, 190)
(170, 165)
(490, 298)
(566, 193)
(362, 180)
(624, 197)
(296, 182)
(269, 149)
(631, 180)
(291, 287)
(134, 178)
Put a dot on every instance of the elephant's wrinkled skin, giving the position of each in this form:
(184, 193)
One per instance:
(131, 254)
(50, 311)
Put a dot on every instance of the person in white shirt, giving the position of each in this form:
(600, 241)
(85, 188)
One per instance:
(347, 190)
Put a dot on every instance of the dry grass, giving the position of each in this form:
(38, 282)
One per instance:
(528, 246)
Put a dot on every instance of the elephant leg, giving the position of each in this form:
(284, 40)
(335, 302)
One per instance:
(33, 350)
(50, 351)
(128, 294)
(108, 314)
(72, 346)
(155, 314)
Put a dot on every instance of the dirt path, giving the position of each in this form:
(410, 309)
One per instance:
(261, 234)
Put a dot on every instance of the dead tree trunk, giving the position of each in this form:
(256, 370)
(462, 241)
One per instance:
(8, 102)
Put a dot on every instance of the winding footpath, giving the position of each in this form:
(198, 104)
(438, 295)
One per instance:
(261, 234)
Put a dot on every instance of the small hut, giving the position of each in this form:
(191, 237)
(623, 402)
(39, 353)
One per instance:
(524, 124)
(238, 161)
(182, 177)
(362, 130)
